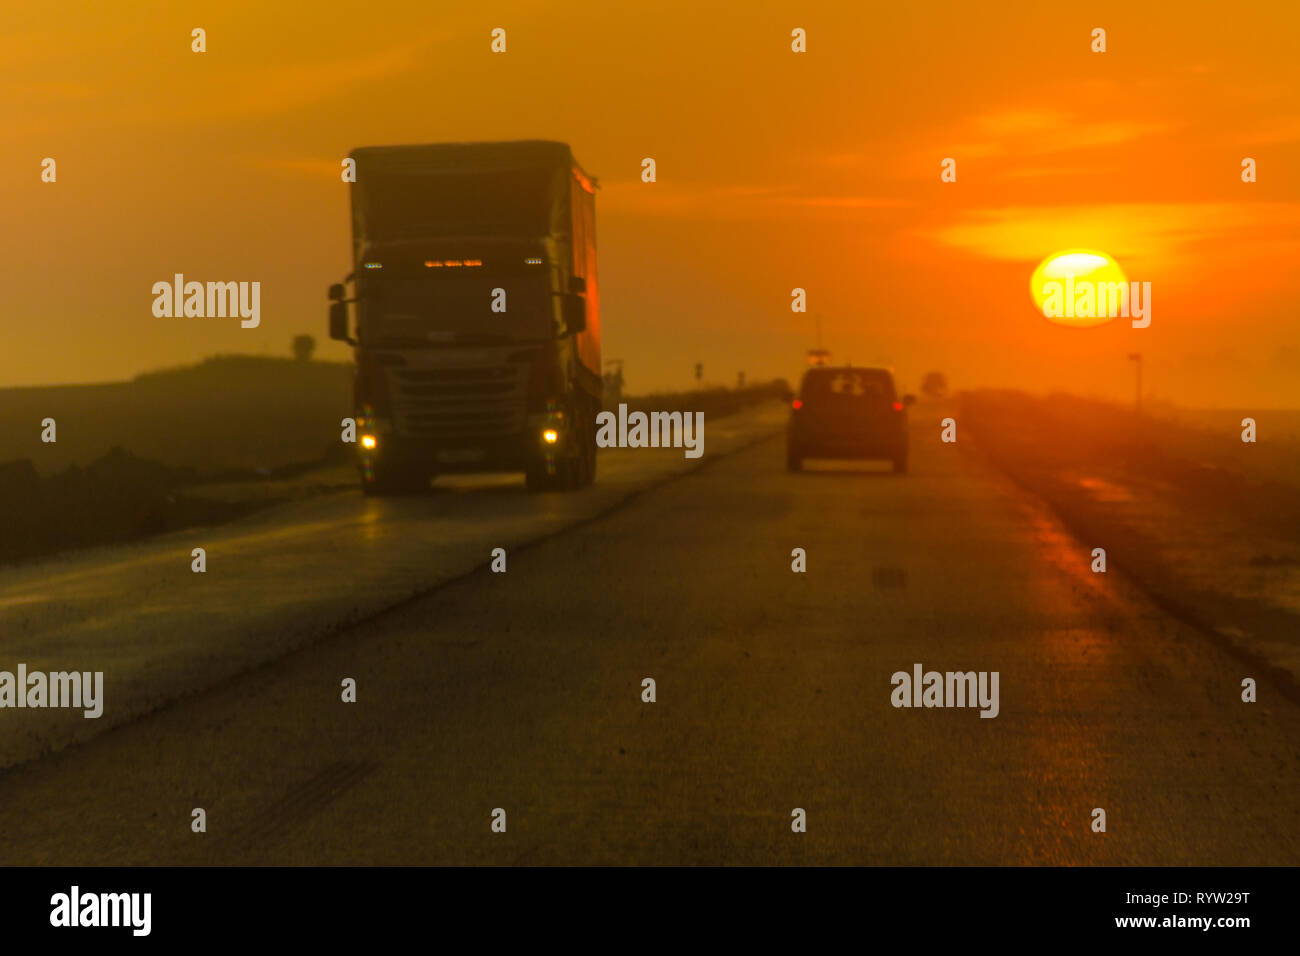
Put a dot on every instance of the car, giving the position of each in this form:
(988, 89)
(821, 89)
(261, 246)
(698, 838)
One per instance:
(848, 412)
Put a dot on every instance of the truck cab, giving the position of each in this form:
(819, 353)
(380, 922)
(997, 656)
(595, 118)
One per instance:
(477, 329)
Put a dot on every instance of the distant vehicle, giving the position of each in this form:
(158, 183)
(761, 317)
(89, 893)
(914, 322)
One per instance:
(477, 313)
(846, 412)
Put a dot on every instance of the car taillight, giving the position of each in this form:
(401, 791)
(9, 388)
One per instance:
(898, 406)
(796, 404)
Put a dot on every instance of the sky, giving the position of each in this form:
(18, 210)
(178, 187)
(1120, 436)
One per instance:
(776, 170)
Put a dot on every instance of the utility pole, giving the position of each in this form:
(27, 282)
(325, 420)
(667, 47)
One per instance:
(1137, 359)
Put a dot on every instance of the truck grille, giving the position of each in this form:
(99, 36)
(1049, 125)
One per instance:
(460, 402)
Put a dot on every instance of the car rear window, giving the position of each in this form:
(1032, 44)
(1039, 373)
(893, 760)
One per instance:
(848, 384)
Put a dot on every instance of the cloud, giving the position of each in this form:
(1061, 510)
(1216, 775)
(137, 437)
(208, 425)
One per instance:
(1285, 129)
(283, 87)
(1121, 229)
(728, 202)
(1041, 132)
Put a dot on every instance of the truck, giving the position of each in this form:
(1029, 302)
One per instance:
(476, 338)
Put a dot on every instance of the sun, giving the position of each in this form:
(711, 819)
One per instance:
(1080, 266)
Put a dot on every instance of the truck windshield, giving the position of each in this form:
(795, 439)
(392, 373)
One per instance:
(509, 202)
(455, 309)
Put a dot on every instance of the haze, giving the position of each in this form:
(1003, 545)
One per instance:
(776, 170)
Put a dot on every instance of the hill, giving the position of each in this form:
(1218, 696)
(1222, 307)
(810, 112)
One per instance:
(229, 412)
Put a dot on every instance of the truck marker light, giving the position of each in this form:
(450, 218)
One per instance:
(898, 406)
(368, 441)
(432, 264)
(473, 262)
(550, 436)
(796, 404)
(452, 262)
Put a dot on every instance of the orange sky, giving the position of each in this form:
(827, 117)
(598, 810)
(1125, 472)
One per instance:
(776, 170)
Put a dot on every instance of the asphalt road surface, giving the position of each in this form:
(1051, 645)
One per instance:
(523, 691)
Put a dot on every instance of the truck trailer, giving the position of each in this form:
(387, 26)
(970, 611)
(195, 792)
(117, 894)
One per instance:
(477, 313)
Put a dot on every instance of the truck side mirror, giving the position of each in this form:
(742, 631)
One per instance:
(339, 320)
(337, 294)
(578, 284)
(575, 314)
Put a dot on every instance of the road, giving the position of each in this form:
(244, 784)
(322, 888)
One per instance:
(523, 691)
